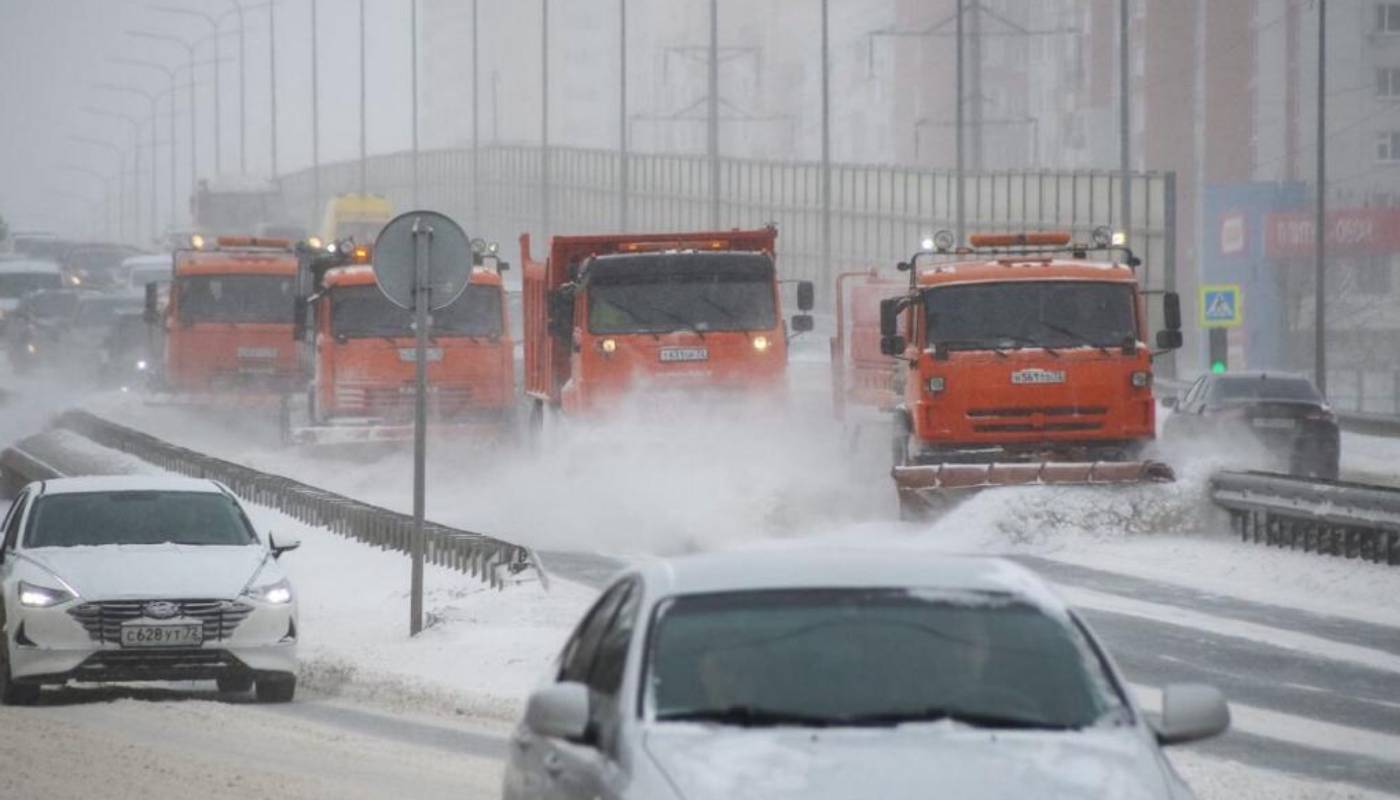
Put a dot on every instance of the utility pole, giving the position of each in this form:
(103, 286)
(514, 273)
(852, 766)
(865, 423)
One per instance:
(272, 78)
(713, 113)
(315, 119)
(623, 178)
(476, 122)
(1125, 179)
(413, 56)
(364, 154)
(242, 90)
(974, 94)
(826, 139)
(959, 171)
(544, 118)
(1320, 202)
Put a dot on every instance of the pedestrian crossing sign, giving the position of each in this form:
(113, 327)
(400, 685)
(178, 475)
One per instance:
(1222, 306)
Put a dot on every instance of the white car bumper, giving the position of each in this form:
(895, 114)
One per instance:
(82, 641)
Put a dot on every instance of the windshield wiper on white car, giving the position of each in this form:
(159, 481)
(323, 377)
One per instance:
(747, 717)
(977, 719)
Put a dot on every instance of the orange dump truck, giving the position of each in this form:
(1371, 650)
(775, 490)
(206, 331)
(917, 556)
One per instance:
(360, 349)
(673, 314)
(1022, 359)
(227, 325)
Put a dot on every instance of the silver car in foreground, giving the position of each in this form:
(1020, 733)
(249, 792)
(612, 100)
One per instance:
(843, 674)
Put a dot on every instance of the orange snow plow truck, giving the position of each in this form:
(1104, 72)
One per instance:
(227, 325)
(361, 356)
(671, 314)
(1022, 359)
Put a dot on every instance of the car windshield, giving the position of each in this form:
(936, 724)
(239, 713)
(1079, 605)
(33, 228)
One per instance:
(1030, 313)
(873, 656)
(1243, 388)
(18, 284)
(49, 305)
(364, 311)
(137, 517)
(678, 291)
(99, 311)
(236, 298)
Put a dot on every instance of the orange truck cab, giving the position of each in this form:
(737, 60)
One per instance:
(667, 314)
(227, 324)
(1024, 348)
(361, 349)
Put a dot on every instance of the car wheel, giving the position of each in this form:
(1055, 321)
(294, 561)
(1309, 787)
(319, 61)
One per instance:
(235, 683)
(277, 690)
(11, 693)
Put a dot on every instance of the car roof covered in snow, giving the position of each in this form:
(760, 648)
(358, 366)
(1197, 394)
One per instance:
(840, 568)
(130, 483)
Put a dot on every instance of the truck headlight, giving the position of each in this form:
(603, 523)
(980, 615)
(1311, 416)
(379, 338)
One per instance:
(936, 384)
(1142, 379)
(34, 596)
(760, 343)
(609, 345)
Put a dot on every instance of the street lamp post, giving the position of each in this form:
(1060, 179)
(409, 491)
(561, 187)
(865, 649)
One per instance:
(242, 87)
(364, 188)
(151, 99)
(214, 24)
(413, 56)
(136, 166)
(121, 177)
(106, 189)
(170, 73)
(315, 118)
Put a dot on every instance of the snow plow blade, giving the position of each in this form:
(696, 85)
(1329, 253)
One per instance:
(1044, 473)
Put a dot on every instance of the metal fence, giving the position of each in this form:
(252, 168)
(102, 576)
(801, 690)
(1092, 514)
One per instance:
(878, 214)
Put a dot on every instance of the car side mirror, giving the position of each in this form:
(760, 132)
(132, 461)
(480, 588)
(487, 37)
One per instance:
(282, 544)
(300, 308)
(802, 323)
(806, 296)
(1169, 340)
(559, 711)
(1191, 712)
(1171, 311)
(151, 313)
(892, 345)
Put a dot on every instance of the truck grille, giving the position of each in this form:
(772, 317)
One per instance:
(395, 402)
(1029, 411)
(103, 619)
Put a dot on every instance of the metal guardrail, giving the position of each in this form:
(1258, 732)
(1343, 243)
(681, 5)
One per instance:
(475, 554)
(1350, 520)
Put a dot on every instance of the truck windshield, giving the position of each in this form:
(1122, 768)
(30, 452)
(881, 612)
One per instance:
(236, 298)
(1030, 314)
(18, 284)
(656, 293)
(362, 311)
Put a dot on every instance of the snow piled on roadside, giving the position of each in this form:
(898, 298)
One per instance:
(1218, 779)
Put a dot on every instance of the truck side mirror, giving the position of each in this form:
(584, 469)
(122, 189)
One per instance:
(889, 316)
(561, 313)
(151, 314)
(806, 296)
(300, 307)
(1168, 340)
(1171, 311)
(802, 323)
(892, 345)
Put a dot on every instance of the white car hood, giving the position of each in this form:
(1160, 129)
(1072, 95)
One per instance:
(111, 572)
(925, 762)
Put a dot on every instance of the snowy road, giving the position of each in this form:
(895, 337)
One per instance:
(163, 744)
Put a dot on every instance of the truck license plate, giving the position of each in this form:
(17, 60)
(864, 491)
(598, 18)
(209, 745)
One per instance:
(410, 354)
(685, 354)
(178, 635)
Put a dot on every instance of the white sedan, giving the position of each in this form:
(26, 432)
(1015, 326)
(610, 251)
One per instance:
(837, 675)
(138, 578)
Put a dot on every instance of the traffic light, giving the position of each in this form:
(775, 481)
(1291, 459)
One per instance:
(1219, 350)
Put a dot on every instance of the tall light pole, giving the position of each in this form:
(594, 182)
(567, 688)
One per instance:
(826, 141)
(170, 73)
(135, 123)
(189, 46)
(712, 136)
(1320, 210)
(623, 176)
(215, 24)
(364, 154)
(413, 56)
(237, 8)
(544, 118)
(272, 83)
(151, 99)
(1125, 179)
(121, 177)
(960, 193)
(106, 189)
(315, 118)
(476, 120)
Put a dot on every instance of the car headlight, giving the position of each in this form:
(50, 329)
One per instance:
(760, 343)
(141, 365)
(34, 596)
(277, 593)
(31, 348)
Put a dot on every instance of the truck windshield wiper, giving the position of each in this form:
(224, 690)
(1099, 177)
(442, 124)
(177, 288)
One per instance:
(1078, 337)
(747, 716)
(976, 719)
(728, 314)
